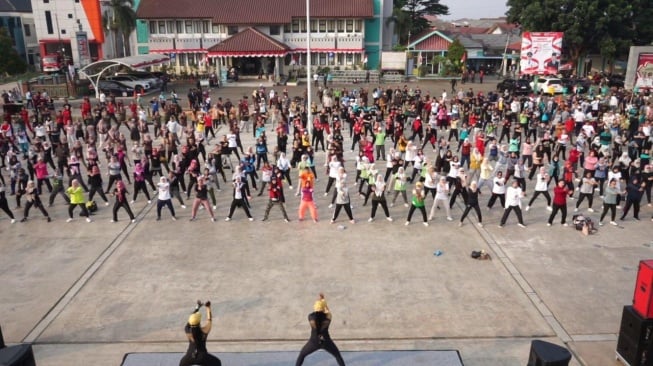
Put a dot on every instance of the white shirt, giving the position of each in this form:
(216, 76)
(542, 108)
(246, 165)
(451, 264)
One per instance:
(164, 191)
(499, 186)
(513, 196)
(542, 185)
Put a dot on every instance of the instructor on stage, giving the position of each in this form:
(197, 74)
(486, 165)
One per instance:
(320, 319)
(197, 353)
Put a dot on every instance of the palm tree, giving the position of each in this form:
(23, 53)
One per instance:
(121, 18)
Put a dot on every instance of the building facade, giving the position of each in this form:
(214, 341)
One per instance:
(16, 17)
(270, 35)
(71, 29)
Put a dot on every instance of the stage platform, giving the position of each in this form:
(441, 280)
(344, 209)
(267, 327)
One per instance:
(320, 358)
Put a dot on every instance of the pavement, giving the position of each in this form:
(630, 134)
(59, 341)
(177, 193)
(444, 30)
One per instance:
(93, 292)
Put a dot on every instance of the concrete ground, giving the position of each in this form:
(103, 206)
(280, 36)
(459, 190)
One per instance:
(94, 292)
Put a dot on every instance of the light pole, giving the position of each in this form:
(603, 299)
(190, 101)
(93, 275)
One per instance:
(309, 90)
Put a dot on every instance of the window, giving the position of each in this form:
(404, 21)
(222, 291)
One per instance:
(295, 26)
(197, 27)
(48, 22)
(27, 30)
(302, 23)
(286, 28)
(341, 25)
(322, 25)
(70, 16)
(275, 30)
(231, 30)
(46, 1)
(206, 26)
(63, 31)
(323, 58)
(180, 26)
(313, 25)
(358, 26)
(162, 27)
(332, 25)
(170, 25)
(216, 28)
(152, 27)
(188, 26)
(349, 59)
(349, 26)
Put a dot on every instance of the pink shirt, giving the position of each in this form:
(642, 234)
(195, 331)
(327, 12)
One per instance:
(590, 162)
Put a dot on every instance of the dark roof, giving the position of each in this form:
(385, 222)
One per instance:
(250, 42)
(18, 6)
(246, 12)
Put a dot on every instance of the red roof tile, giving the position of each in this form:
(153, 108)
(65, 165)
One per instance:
(250, 42)
(251, 12)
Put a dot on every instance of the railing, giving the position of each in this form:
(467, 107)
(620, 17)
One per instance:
(353, 76)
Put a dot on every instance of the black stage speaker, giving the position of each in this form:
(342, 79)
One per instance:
(635, 341)
(20, 355)
(548, 354)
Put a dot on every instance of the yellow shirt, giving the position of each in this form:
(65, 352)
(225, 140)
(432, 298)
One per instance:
(76, 195)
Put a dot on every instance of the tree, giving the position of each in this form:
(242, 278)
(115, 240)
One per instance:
(121, 19)
(10, 61)
(409, 19)
(455, 54)
(609, 27)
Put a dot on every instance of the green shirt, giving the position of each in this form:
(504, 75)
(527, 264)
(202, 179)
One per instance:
(379, 138)
(76, 195)
(417, 202)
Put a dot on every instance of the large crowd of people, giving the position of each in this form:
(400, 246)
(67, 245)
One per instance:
(360, 147)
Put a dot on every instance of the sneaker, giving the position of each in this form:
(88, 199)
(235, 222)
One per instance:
(521, 225)
(49, 219)
(215, 207)
(548, 224)
(251, 219)
(500, 226)
(565, 224)
(149, 201)
(549, 208)
(430, 218)
(88, 219)
(528, 208)
(174, 218)
(132, 201)
(613, 223)
(407, 223)
(326, 194)
(106, 203)
(333, 221)
(290, 187)
(286, 220)
(460, 224)
(590, 209)
(480, 224)
(113, 220)
(212, 219)
(183, 206)
(13, 221)
(389, 218)
(370, 219)
(405, 205)
(315, 221)
(352, 221)
(449, 218)
(330, 205)
(227, 219)
(192, 219)
(392, 204)
(576, 209)
(158, 218)
(601, 223)
(425, 223)
(69, 220)
(24, 219)
(133, 221)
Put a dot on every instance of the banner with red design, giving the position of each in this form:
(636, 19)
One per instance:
(540, 53)
(644, 74)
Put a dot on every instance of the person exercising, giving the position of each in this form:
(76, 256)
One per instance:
(197, 353)
(320, 319)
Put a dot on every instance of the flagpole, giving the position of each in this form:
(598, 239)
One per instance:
(309, 90)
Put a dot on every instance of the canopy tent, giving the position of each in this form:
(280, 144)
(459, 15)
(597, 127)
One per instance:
(94, 71)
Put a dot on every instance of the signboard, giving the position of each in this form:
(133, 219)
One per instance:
(644, 73)
(83, 52)
(540, 53)
(393, 61)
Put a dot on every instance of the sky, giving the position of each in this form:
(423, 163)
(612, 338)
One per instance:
(474, 9)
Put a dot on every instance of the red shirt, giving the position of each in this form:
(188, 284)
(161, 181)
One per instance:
(560, 196)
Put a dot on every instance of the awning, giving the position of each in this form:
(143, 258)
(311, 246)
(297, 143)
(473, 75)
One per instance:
(179, 51)
(326, 50)
(249, 43)
(94, 71)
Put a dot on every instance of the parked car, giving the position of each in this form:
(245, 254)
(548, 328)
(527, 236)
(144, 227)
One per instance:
(549, 86)
(516, 86)
(616, 81)
(116, 88)
(582, 85)
(138, 84)
(154, 81)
